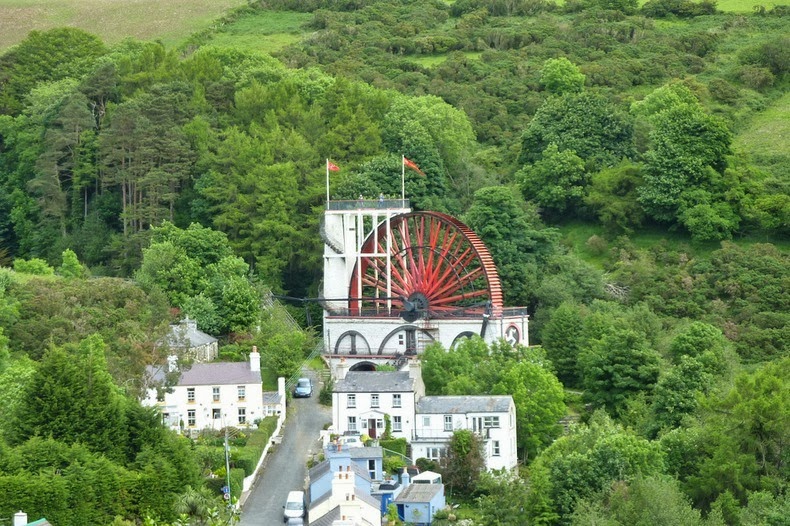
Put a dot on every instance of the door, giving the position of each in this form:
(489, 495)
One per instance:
(372, 427)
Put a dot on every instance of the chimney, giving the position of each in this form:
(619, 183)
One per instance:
(20, 518)
(405, 479)
(415, 373)
(255, 359)
(341, 369)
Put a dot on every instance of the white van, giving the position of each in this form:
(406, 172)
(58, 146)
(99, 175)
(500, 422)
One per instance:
(294, 505)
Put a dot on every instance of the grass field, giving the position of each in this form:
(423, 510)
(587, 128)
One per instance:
(112, 20)
(767, 139)
(266, 31)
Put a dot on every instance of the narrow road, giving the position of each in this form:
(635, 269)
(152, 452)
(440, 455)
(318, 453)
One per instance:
(285, 468)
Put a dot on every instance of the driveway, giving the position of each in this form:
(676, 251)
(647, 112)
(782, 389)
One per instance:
(285, 468)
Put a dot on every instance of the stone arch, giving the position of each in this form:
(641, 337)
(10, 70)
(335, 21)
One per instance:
(365, 366)
(462, 335)
(406, 328)
(355, 338)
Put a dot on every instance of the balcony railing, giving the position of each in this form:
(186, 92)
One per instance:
(369, 204)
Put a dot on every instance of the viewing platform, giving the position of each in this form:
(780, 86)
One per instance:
(402, 205)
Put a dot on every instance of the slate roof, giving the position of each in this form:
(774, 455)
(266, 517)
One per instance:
(319, 470)
(463, 404)
(271, 397)
(327, 520)
(375, 382)
(419, 493)
(220, 373)
(187, 335)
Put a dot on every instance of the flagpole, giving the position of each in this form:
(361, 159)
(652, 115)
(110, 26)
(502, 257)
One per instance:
(403, 180)
(327, 181)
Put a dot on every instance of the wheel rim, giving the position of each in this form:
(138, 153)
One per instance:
(431, 260)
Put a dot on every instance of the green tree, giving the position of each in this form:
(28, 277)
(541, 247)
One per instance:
(618, 365)
(539, 400)
(687, 152)
(464, 463)
(653, 500)
(70, 267)
(557, 181)
(612, 193)
(585, 123)
(563, 339)
(580, 465)
(516, 237)
(560, 75)
(72, 398)
(502, 499)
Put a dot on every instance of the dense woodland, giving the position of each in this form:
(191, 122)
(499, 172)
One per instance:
(139, 183)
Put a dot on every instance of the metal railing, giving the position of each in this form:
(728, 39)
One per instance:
(369, 204)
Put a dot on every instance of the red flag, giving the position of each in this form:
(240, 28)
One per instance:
(332, 167)
(413, 166)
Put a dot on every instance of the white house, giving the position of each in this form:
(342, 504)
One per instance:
(210, 395)
(361, 399)
(345, 504)
(492, 417)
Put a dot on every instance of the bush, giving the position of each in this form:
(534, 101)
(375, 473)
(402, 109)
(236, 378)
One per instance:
(325, 394)
(35, 266)
(756, 77)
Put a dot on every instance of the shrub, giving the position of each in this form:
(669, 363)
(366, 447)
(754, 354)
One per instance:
(756, 77)
(35, 266)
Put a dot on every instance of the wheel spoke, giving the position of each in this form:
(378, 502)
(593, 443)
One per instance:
(432, 254)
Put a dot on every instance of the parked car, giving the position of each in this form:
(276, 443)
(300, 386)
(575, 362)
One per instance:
(295, 521)
(294, 506)
(304, 388)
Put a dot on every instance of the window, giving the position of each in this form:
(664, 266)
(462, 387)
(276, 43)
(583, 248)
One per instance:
(374, 400)
(396, 424)
(351, 400)
(352, 423)
(433, 453)
(490, 421)
(190, 395)
(215, 394)
(242, 415)
(242, 393)
(190, 417)
(396, 400)
(495, 448)
(448, 422)
(426, 421)
(216, 413)
(379, 424)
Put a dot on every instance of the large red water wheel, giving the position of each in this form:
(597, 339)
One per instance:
(424, 264)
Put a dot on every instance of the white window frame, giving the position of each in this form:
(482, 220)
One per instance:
(490, 422)
(241, 390)
(190, 395)
(426, 421)
(216, 413)
(397, 400)
(495, 448)
(215, 394)
(351, 401)
(352, 424)
(242, 415)
(374, 400)
(448, 422)
(191, 418)
(397, 424)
